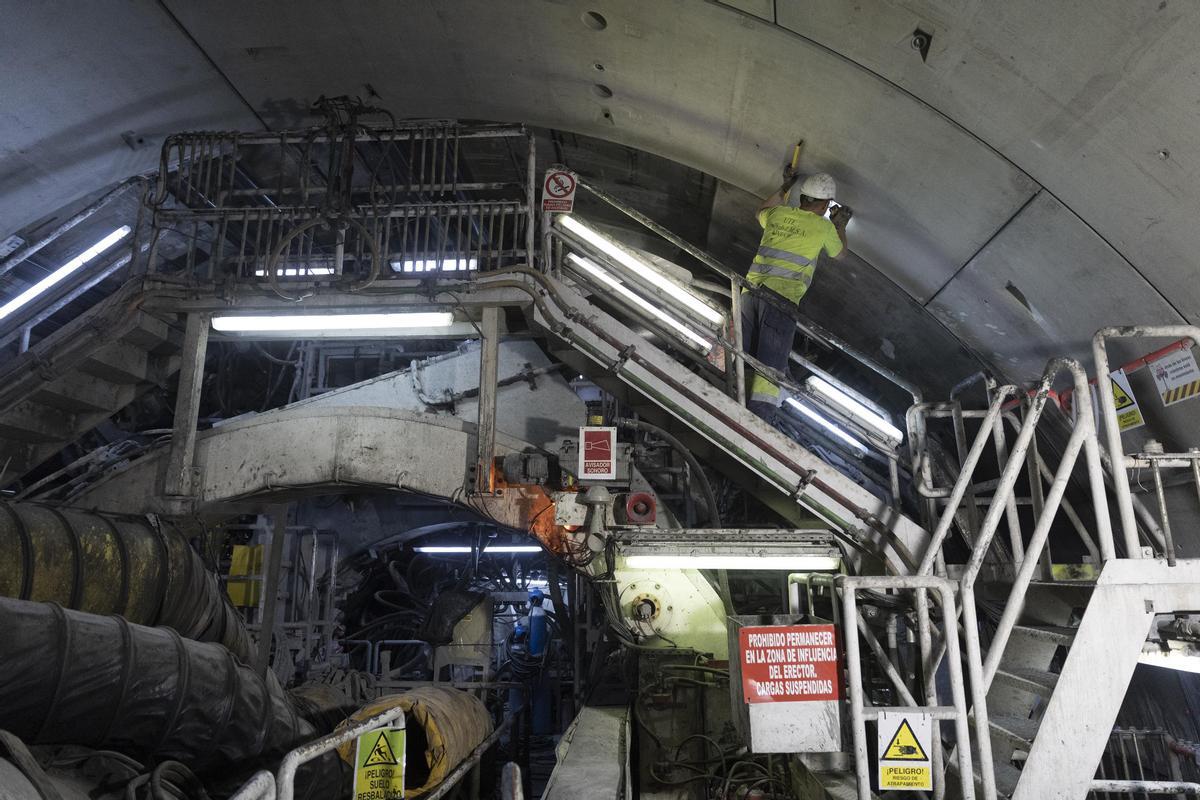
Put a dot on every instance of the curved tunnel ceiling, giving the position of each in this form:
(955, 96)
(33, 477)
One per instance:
(1029, 180)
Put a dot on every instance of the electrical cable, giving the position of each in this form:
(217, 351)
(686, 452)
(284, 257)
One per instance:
(714, 512)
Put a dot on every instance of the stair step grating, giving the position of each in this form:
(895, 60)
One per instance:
(1036, 681)
(1050, 633)
(1018, 730)
(1007, 777)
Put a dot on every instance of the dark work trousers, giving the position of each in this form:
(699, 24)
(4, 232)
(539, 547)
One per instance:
(767, 334)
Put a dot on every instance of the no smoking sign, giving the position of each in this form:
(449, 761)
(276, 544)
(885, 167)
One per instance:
(558, 191)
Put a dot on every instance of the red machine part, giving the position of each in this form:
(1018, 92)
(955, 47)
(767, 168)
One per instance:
(641, 508)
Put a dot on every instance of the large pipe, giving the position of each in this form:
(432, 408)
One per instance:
(444, 725)
(147, 573)
(67, 677)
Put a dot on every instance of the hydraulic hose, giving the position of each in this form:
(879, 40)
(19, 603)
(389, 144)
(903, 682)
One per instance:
(146, 572)
(68, 677)
(714, 514)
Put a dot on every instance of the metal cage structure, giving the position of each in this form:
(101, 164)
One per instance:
(345, 204)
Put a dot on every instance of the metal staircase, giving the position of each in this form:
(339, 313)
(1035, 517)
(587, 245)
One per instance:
(67, 384)
(1034, 693)
(1048, 672)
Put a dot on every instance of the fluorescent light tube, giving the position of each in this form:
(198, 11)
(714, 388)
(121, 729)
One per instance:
(797, 562)
(63, 271)
(290, 272)
(431, 265)
(318, 324)
(855, 409)
(594, 270)
(826, 424)
(492, 548)
(1181, 662)
(637, 265)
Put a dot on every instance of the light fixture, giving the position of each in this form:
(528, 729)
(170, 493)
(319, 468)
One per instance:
(332, 325)
(597, 272)
(292, 272)
(641, 268)
(799, 562)
(432, 265)
(63, 271)
(1180, 661)
(741, 549)
(859, 412)
(491, 548)
(834, 430)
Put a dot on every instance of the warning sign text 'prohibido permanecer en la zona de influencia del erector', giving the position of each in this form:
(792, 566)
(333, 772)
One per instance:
(787, 663)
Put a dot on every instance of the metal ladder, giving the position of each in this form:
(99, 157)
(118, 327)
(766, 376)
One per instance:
(75, 379)
(1046, 692)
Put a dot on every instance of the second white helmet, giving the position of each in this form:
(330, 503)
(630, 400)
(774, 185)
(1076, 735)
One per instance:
(820, 186)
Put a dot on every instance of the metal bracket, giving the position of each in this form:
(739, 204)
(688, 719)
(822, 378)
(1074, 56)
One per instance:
(805, 481)
(623, 356)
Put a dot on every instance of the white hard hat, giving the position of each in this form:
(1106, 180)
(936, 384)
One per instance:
(819, 187)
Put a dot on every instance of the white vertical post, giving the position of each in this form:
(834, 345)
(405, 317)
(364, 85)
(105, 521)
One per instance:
(180, 459)
(489, 358)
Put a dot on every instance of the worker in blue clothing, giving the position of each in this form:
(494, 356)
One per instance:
(795, 234)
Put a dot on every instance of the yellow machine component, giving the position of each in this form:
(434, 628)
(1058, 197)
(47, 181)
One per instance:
(443, 726)
(246, 561)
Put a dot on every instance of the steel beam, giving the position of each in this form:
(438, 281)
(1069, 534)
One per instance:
(489, 359)
(180, 461)
(270, 589)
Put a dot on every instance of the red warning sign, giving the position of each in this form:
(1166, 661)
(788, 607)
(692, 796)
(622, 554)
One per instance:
(788, 663)
(597, 453)
(558, 191)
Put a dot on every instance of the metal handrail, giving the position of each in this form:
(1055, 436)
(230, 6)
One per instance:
(1145, 787)
(731, 347)
(859, 712)
(965, 476)
(1112, 429)
(14, 259)
(285, 777)
(739, 283)
(1083, 437)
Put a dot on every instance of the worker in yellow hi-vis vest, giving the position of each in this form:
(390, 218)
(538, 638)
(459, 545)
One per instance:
(795, 234)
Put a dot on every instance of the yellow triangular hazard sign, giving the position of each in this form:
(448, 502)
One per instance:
(381, 754)
(1121, 398)
(904, 746)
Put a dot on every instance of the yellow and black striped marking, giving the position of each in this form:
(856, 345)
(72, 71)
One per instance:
(1182, 392)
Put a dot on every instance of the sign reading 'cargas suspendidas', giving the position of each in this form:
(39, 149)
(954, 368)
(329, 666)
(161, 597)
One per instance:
(789, 663)
(904, 742)
(379, 765)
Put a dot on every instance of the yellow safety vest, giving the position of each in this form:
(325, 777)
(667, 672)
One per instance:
(792, 241)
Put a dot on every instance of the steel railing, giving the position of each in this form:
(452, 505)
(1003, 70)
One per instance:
(724, 359)
(981, 667)
(1145, 763)
(281, 786)
(1121, 462)
(346, 204)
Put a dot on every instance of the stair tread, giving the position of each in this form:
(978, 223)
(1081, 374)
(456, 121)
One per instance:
(1021, 677)
(1055, 633)
(1017, 728)
(1007, 777)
